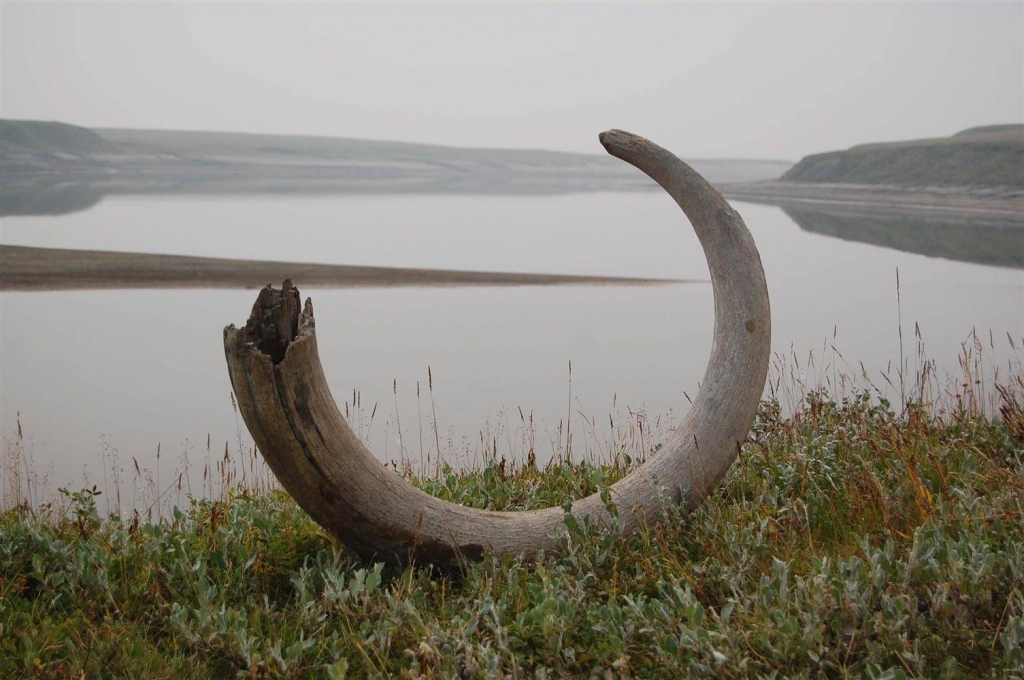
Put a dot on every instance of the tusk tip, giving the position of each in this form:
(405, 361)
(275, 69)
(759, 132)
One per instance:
(625, 145)
(614, 138)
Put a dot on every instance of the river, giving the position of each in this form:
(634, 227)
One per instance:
(94, 376)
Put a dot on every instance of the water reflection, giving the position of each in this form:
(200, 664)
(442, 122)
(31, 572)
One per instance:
(974, 239)
(69, 196)
(48, 199)
(128, 370)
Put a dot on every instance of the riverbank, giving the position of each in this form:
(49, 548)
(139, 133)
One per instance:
(848, 539)
(25, 268)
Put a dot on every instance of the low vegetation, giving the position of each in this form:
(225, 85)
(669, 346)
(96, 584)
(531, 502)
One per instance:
(990, 156)
(851, 538)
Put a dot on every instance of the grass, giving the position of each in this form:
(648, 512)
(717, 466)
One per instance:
(851, 538)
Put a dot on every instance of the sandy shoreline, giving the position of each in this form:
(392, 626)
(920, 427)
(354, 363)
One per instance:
(25, 268)
(997, 204)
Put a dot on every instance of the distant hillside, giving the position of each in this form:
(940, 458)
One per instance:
(129, 161)
(294, 150)
(27, 137)
(991, 156)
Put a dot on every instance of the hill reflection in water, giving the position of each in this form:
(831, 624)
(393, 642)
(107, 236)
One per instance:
(975, 239)
(48, 199)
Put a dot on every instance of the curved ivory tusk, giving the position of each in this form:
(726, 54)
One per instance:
(283, 396)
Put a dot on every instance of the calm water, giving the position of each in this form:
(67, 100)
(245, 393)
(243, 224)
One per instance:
(93, 372)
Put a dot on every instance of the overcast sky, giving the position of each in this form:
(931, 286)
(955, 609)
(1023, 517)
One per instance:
(705, 80)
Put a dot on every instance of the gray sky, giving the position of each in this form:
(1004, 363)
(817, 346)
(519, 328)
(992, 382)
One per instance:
(705, 80)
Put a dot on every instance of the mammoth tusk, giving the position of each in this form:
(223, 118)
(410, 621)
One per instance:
(284, 399)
